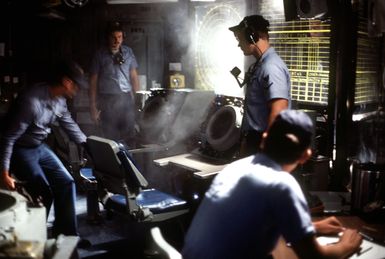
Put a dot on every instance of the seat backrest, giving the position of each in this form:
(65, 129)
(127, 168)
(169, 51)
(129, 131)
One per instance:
(104, 155)
(135, 178)
(112, 161)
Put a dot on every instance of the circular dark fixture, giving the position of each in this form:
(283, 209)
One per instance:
(223, 128)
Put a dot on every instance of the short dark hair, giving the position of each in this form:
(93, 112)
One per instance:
(289, 136)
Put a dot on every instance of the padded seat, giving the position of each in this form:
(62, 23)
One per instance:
(156, 201)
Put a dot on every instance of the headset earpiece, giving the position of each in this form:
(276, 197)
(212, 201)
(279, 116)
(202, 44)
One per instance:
(250, 35)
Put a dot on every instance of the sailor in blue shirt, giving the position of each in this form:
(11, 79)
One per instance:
(255, 200)
(268, 81)
(113, 83)
(24, 154)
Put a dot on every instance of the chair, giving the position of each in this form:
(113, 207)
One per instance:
(67, 151)
(117, 173)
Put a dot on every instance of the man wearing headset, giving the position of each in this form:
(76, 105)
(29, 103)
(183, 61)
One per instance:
(267, 80)
(113, 83)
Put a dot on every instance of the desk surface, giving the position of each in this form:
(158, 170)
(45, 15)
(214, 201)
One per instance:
(200, 168)
(339, 202)
(369, 250)
(374, 230)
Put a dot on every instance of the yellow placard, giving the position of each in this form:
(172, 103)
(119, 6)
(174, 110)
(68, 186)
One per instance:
(177, 81)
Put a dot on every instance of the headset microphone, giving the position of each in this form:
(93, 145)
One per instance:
(118, 58)
(236, 72)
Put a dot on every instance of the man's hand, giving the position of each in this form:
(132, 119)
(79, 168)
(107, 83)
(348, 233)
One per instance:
(95, 114)
(328, 226)
(7, 181)
(351, 240)
(86, 150)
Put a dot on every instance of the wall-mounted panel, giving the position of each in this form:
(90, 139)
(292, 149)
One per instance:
(304, 45)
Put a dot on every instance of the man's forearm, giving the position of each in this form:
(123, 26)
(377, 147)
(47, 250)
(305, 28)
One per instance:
(134, 78)
(92, 91)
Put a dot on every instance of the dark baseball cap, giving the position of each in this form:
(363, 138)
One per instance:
(295, 123)
(114, 26)
(257, 22)
(76, 73)
(72, 70)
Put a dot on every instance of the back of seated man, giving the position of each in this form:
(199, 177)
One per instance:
(255, 200)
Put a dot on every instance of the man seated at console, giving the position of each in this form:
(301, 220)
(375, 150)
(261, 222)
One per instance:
(255, 200)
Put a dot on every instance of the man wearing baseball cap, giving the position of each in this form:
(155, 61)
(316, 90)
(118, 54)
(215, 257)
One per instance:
(267, 81)
(255, 200)
(25, 156)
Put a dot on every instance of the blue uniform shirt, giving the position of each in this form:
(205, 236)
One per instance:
(30, 124)
(247, 207)
(113, 78)
(270, 80)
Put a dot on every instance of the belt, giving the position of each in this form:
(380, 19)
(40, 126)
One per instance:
(35, 145)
